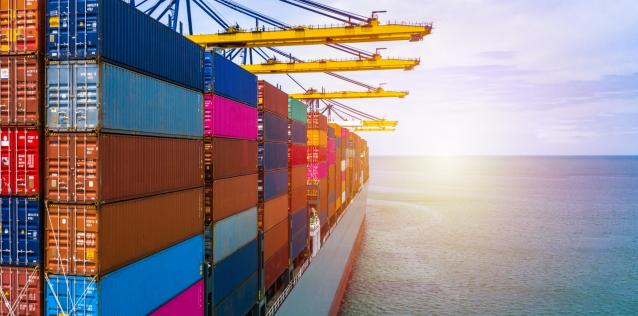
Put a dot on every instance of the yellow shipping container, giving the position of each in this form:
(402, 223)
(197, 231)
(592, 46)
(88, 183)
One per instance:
(317, 138)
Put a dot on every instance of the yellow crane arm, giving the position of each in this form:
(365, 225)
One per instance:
(313, 95)
(371, 32)
(327, 65)
(374, 129)
(379, 123)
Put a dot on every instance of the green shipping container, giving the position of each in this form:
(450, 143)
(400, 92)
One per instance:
(297, 110)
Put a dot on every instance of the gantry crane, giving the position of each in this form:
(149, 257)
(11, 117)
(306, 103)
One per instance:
(313, 94)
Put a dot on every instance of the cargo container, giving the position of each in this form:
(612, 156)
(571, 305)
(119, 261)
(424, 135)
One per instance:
(275, 183)
(20, 239)
(297, 110)
(277, 264)
(272, 99)
(275, 238)
(317, 138)
(317, 171)
(224, 77)
(240, 301)
(299, 220)
(91, 168)
(298, 154)
(20, 291)
(317, 154)
(317, 120)
(20, 22)
(232, 233)
(298, 198)
(225, 158)
(118, 32)
(136, 289)
(20, 160)
(224, 117)
(298, 132)
(273, 128)
(275, 211)
(273, 156)
(92, 240)
(21, 85)
(229, 196)
(230, 273)
(90, 96)
(299, 242)
(298, 176)
(189, 302)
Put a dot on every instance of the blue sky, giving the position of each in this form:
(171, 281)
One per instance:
(496, 77)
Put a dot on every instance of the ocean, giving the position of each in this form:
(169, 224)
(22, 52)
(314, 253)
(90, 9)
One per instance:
(499, 236)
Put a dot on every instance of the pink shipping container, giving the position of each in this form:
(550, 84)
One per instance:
(317, 171)
(332, 151)
(230, 119)
(189, 302)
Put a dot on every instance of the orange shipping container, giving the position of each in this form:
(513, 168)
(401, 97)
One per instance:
(276, 265)
(298, 177)
(20, 23)
(317, 138)
(275, 211)
(275, 238)
(227, 197)
(92, 168)
(94, 240)
(298, 198)
(20, 89)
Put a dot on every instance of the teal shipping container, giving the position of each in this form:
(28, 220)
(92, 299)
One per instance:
(232, 233)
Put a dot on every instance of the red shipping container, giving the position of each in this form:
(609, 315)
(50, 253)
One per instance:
(20, 26)
(272, 99)
(298, 154)
(276, 265)
(317, 120)
(21, 288)
(298, 177)
(317, 154)
(20, 86)
(275, 238)
(20, 154)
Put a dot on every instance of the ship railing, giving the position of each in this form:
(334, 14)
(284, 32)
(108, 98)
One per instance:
(273, 309)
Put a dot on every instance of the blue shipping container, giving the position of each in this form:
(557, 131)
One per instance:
(275, 183)
(87, 96)
(232, 233)
(298, 133)
(299, 242)
(231, 272)
(20, 223)
(274, 127)
(273, 156)
(299, 220)
(241, 301)
(136, 289)
(116, 31)
(224, 77)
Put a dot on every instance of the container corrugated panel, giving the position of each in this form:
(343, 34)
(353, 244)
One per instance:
(317, 138)
(21, 291)
(298, 132)
(241, 301)
(116, 31)
(298, 177)
(225, 158)
(230, 273)
(189, 302)
(275, 238)
(274, 156)
(275, 128)
(20, 161)
(20, 224)
(233, 232)
(298, 154)
(20, 25)
(299, 220)
(224, 117)
(89, 168)
(299, 198)
(299, 242)
(275, 183)
(276, 265)
(297, 110)
(317, 120)
(88, 96)
(275, 211)
(136, 289)
(272, 99)
(230, 196)
(229, 79)
(317, 154)
(100, 239)
(20, 87)
(317, 171)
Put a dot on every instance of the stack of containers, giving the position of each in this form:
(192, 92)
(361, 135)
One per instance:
(124, 172)
(21, 85)
(230, 137)
(332, 180)
(273, 178)
(337, 168)
(349, 149)
(318, 168)
(345, 134)
(297, 152)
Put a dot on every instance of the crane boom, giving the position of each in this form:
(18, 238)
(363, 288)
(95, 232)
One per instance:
(376, 93)
(302, 35)
(328, 65)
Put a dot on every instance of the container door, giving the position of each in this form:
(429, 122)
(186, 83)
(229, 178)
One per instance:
(72, 96)
(72, 167)
(72, 29)
(19, 161)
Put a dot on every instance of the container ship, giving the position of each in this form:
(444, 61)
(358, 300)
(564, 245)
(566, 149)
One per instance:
(142, 174)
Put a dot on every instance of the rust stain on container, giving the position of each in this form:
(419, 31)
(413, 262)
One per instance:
(20, 90)
(94, 168)
(275, 211)
(275, 238)
(94, 240)
(227, 197)
(225, 158)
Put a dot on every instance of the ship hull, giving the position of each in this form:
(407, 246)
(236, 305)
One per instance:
(319, 291)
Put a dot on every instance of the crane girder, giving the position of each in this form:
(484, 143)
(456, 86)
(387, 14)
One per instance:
(376, 93)
(379, 123)
(303, 35)
(328, 65)
(374, 129)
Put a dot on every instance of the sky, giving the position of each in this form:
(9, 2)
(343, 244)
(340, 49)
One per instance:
(496, 77)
